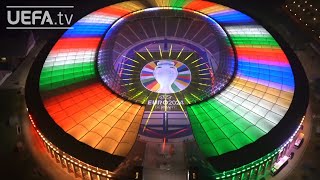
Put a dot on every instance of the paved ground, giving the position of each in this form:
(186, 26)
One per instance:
(158, 161)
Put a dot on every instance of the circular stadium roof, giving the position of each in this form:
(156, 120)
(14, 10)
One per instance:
(259, 106)
(180, 35)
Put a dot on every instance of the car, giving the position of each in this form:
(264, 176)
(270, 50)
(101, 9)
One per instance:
(299, 140)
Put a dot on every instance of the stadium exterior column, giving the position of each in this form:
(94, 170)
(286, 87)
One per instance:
(68, 167)
(286, 148)
(57, 157)
(73, 169)
(52, 153)
(274, 159)
(90, 175)
(81, 172)
(267, 165)
(263, 168)
(64, 162)
(47, 147)
(61, 162)
(260, 169)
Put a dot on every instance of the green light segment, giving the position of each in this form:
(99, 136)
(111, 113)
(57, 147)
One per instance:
(221, 121)
(239, 139)
(179, 3)
(254, 133)
(224, 146)
(226, 129)
(209, 125)
(262, 41)
(242, 124)
(58, 76)
(230, 130)
(216, 135)
(201, 136)
(208, 149)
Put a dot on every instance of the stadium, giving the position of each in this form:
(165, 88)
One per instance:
(193, 87)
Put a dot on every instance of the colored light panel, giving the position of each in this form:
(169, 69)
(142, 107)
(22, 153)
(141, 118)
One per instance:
(256, 100)
(86, 30)
(198, 5)
(258, 97)
(90, 113)
(61, 69)
(72, 58)
(95, 116)
(231, 17)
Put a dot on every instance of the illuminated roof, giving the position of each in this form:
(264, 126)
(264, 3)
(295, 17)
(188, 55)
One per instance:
(97, 117)
(250, 107)
(253, 104)
(258, 97)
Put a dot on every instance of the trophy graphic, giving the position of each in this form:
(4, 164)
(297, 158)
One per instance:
(165, 74)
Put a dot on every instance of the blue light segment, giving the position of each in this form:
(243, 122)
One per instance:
(231, 17)
(276, 74)
(87, 30)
